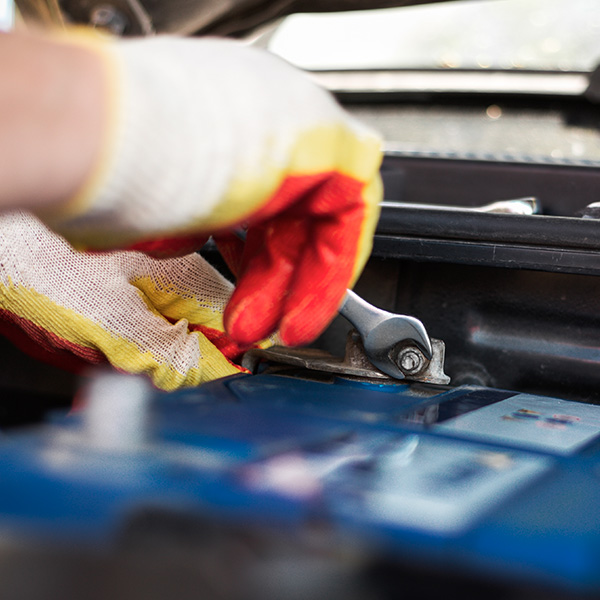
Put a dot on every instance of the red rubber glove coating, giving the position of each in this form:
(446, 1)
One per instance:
(297, 261)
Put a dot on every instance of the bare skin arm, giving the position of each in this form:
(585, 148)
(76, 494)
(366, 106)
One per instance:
(52, 115)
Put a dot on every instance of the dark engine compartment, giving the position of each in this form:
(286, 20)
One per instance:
(514, 297)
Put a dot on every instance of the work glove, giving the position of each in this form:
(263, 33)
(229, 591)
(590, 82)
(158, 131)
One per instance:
(207, 136)
(143, 315)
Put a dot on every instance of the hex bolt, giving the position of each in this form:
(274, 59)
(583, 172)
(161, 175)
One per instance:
(410, 360)
(106, 16)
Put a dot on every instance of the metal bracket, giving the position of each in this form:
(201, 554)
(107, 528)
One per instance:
(355, 362)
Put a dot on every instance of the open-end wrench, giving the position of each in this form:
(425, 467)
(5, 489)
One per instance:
(384, 334)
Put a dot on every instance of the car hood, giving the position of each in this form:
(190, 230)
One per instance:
(215, 17)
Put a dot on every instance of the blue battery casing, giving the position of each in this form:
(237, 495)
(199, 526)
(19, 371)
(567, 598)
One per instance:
(476, 479)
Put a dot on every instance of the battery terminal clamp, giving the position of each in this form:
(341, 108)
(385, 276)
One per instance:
(355, 363)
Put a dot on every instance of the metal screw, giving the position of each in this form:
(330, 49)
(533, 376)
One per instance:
(410, 360)
(106, 16)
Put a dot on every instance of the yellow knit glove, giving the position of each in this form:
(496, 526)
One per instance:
(159, 317)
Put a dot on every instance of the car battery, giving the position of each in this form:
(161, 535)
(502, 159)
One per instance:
(471, 480)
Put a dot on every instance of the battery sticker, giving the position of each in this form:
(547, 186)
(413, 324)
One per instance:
(534, 422)
(399, 480)
(446, 487)
(7, 15)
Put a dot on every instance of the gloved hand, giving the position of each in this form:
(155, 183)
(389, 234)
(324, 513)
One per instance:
(159, 317)
(206, 136)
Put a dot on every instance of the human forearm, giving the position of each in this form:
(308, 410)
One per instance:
(193, 137)
(52, 118)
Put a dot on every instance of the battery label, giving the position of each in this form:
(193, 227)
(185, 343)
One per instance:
(398, 480)
(447, 487)
(533, 422)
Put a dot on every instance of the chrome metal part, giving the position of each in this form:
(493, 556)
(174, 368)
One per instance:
(410, 360)
(433, 371)
(355, 362)
(106, 16)
(518, 206)
(591, 211)
(382, 331)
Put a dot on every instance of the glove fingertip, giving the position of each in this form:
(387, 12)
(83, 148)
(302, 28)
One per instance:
(244, 326)
(298, 331)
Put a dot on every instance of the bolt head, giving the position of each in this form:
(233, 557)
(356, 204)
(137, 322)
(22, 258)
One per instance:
(410, 360)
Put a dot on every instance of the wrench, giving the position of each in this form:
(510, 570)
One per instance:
(382, 331)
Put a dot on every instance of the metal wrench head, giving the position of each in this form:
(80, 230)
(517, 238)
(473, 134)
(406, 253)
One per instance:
(385, 334)
(381, 342)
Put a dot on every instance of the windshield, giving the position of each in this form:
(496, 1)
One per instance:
(540, 35)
